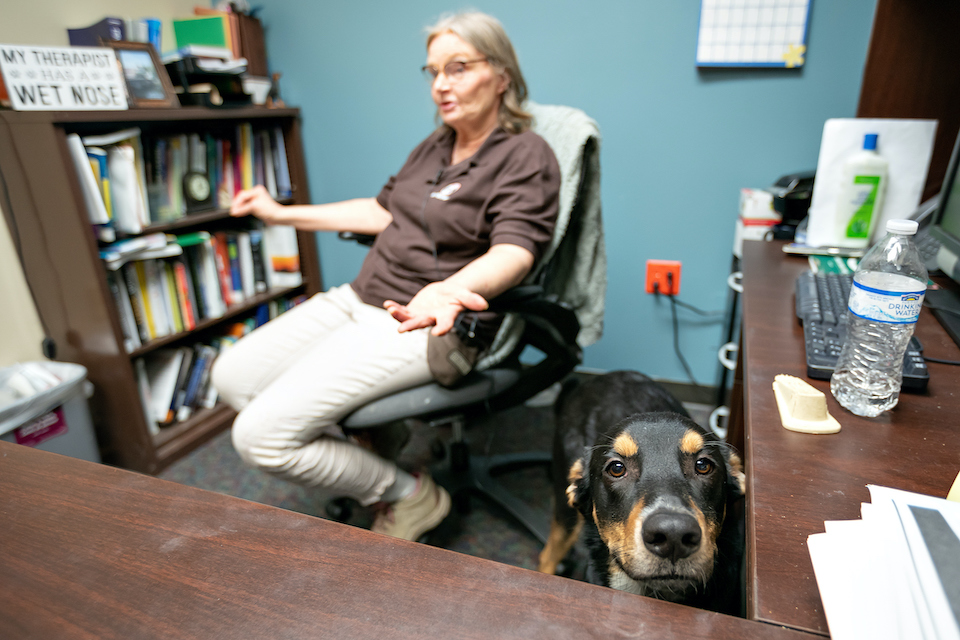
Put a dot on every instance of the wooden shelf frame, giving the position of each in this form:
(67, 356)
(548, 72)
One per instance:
(43, 206)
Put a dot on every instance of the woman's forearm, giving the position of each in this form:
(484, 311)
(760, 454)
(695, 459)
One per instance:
(362, 215)
(503, 266)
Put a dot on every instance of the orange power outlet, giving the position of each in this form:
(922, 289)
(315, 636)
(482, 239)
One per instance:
(657, 271)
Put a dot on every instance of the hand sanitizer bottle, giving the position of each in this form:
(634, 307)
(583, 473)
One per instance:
(860, 201)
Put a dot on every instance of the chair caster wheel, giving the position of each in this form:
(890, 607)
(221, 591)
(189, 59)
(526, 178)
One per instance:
(339, 509)
(437, 449)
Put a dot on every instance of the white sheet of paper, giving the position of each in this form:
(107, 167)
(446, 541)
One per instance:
(913, 618)
(851, 582)
(906, 145)
(928, 580)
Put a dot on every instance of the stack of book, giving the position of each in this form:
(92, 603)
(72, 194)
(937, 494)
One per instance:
(240, 33)
(166, 284)
(130, 181)
(112, 176)
(174, 383)
(231, 164)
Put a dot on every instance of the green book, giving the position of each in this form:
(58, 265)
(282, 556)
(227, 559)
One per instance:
(191, 239)
(209, 31)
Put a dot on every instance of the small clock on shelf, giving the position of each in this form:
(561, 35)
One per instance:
(197, 191)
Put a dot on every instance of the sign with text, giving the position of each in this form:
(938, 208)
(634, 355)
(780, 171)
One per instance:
(62, 78)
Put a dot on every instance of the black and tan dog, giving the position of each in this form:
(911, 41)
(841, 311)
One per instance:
(658, 499)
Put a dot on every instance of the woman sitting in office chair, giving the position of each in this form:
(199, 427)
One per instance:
(464, 219)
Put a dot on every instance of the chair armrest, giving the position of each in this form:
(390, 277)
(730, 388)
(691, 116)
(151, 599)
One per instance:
(551, 327)
(533, 305)
(362, 238)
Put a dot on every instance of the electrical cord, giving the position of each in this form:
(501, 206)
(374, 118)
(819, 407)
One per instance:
(687, 305)
(676, 341)
(676, 328)
(941, 309)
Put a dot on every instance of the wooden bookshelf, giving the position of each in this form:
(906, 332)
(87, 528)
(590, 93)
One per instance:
(43, 205)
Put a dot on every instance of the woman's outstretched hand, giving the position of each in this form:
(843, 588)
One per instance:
(256, 201)
(438, 304)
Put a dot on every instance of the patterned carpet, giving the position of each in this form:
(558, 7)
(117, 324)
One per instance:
(483, 531)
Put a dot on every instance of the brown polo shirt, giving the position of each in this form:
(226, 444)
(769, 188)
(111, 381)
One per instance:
(507, 192)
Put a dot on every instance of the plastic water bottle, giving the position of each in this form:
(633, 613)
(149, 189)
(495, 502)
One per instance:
(884, 305)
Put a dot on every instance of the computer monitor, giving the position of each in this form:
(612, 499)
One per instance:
(944, 303)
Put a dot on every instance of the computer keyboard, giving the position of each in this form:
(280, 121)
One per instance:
(821, 300)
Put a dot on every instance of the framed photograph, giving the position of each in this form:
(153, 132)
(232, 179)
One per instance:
(147, 82)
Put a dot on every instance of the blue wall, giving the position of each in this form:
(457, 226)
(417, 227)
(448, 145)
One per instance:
(678, 143)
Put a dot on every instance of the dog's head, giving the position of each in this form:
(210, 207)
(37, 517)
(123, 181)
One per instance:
(658, 488)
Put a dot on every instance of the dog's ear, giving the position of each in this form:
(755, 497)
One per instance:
(735, 476)
(578, 491)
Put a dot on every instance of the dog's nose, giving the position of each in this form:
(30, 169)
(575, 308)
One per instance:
(671, 535)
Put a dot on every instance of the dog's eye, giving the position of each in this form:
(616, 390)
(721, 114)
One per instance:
(616, 469)
(704, 466)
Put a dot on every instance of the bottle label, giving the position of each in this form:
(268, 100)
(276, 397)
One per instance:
(864, 197)
(891, 307)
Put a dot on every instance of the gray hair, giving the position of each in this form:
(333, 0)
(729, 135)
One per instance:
(485, 34)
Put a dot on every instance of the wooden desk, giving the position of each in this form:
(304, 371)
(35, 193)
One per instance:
(796, 481)
(97, 552)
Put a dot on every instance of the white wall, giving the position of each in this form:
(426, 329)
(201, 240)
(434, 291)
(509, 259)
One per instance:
(45, 22)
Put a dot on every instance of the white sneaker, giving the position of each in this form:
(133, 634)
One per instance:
(411, 517)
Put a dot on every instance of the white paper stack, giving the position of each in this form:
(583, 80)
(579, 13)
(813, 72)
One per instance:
(895, 573)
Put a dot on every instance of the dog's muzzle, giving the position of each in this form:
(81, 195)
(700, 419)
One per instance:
(671, 535)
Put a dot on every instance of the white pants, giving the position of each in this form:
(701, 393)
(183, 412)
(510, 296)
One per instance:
(294, 378)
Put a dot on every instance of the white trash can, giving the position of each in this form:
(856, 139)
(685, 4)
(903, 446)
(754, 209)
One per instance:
(55, 419)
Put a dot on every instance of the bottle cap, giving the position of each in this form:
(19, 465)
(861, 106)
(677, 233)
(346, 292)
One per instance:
(870, 142)
(902, 227)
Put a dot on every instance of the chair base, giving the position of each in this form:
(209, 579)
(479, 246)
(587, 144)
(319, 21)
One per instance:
(464, 474)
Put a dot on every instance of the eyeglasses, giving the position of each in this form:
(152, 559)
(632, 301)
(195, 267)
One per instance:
(452, 70)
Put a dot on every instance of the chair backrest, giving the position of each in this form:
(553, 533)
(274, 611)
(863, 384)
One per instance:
(574, 267)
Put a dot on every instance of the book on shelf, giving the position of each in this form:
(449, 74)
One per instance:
(90, 187)
(158, 307)
(144, 30)
(282, 169)
(153, 245)
(173, 298)
(148, 300)
(232, 22)
(195, 388)
(282, 253)
(174, 382)
(110, 171)
(165, 284)
(255, 237)
(185, 294)
(107, 29)
(222, 263)
(180, 388)
(204, 31)
(245, 257)
(146, 397)
(163, 369)
(128, 323)
(137, 303)
(269, 171)
(128, 195)
(232, 162)
(246, 155)
(101, 173)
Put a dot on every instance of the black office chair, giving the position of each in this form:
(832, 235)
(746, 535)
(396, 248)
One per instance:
(538, 316)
